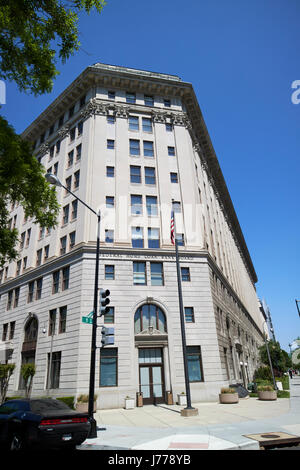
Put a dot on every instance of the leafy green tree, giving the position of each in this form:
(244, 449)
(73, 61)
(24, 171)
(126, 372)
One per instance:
(6, 371)
(29, 31)
(28, 372)
(279, 358)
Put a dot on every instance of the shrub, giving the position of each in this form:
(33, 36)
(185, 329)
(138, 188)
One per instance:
(265, 388)
(69, 401)
(283, 394)
(263, 373)
(228, 390)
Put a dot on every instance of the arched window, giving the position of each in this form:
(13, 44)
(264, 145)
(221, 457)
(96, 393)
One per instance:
(149, 315)
(31, 330)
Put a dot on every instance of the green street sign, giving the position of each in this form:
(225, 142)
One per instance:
(88, 319)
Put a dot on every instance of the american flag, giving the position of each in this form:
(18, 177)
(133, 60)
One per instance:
(172, 228)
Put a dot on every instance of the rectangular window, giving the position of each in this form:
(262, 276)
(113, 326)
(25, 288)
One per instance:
(111, 95)
(54, 369)
(74, 210)
(171, 151)
(80, 128)
(109, 236)
(139, 273)
(137, 237)
(46, 252)
(52, 322)
(72, 134)
(110, 316)
(65, 214)
(63, 245)
(30, 291)
(110, 171)
(17, 295)
(189, 314)
(185, 274)
(109, 367)
(149, 100)
(134, 147)
(133, 123)
(130, 98)
(110, 202)
(194, 360)
(57, 148)
(55, 282)
(174, 177)
(110, 144)
(136, 204)
(148, 148)
(39, 254)
(150, 175)
(12, 326)
(157, 277)
(78, 152)
(76, 179)
(147, 124)
(82, 101)
(169, 127)
(135, 174)
(109, 272)
(62, 319)
(4, 331)
(68, 184)
(167, 103)
(72, 236)
(65, 278)
(39, 286)
(110, 119)
(151, 204)
(153, 237)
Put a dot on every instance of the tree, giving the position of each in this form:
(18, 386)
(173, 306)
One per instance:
(6, 371)
(279, 358)
(29, 30)
(28, 372)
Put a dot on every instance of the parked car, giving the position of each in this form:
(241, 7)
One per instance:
(41, 423)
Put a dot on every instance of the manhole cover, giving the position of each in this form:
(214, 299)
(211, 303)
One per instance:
(270, 436)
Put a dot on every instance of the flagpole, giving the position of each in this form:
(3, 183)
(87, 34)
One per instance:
(181, 310)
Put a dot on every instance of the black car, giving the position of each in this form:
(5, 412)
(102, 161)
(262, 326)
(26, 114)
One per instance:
(41, 423)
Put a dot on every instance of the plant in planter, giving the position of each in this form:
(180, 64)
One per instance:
(228, 395)
(181, 399)
(82, 404)
(266, 392)
(129, 403)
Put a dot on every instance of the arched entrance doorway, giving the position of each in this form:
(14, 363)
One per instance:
(29, 344)
(151, 338)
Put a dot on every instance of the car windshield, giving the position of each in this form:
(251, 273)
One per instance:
(44, 405)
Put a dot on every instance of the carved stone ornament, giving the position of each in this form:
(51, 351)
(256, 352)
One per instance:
(44, 148)
(158, 116)
(64, 131)
(121, 111)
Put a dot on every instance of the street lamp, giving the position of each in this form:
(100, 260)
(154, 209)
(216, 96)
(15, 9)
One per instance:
(297, 306)
(53, 179)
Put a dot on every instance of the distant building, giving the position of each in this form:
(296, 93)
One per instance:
(127, 142)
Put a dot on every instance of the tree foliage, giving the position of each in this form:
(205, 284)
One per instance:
(32, 35)
(6, 371)
(279, 358)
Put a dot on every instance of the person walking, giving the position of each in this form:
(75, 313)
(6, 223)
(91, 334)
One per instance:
(291, 373)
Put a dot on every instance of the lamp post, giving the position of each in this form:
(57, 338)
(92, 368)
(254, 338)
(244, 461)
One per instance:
(53, 179)
(297, 306)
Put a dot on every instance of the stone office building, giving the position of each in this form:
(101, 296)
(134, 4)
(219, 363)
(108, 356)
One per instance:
(129, 142)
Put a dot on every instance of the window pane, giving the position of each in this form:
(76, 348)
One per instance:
(134, 147)
(130, 97)
(189, 314)
(133, 123)
(135, 174)
(108, 368)
(194, 363)
(137, 237)
(150, 175)
(148, 148)
(153, 238)
(156, 274)
(147, 124)
(139, 273)
(136, 205)
(151, 203)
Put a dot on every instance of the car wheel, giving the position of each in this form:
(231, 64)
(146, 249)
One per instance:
(16, 442)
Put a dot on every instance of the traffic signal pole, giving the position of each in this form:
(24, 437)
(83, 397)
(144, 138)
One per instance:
(93, 430)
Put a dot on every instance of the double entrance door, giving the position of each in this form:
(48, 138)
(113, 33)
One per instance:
(151, 375)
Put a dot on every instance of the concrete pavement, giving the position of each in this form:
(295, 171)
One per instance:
(217, 426)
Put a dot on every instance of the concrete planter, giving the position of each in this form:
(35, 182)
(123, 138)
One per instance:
(228, 398)
(129, 403)
(181, 399)
(267, 395)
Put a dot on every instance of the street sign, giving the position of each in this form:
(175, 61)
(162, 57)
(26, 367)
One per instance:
(88, 319)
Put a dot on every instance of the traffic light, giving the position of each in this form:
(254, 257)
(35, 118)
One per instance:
(107, 336)
(104, 301)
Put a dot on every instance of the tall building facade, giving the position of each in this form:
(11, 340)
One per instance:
(132, 144)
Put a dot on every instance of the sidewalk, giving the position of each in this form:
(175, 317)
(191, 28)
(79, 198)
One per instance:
(216, 427)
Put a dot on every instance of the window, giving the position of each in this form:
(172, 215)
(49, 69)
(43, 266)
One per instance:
(171, 151)
(110, 119)
(151, 204)
(174, 177)
(134, 147)
(55, 168)
(72, 134)
(133, 123)
(28, 237)
(109, 236)
(72, 236)
(137, 237)
(147, 124)
(110, 171)
(167, 103)
(82, 101)
(39, 257)
(153, 237)
(39, 286)
(57, 146)
(189, 314)
(63, 245)
(109, 317)
(157, 277)
(169, 127)
(149, 315)
(62, 319)
(136, 205)
(150, 175)
(109, 272)
(110, 202)
(61, 120)
(149, 100)
(17, 295)
(148, 148)
(12, 329)
(135, 174)
(65, 278)
(194, 364)
(185, 274)
(76, 179)
(46, 252)
(109, 367)
(55, 282)
(65, 215)
(52, 322)
(80, 128)
(30, 291)
(111, 95)
(139, 273)
(54, 369)
(74, 210)
(68, 185)
(78, 152)
(110, 144)
(71, 111)
(130, 98)
(4, 331)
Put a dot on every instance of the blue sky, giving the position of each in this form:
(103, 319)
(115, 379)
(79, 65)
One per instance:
(241, 57)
